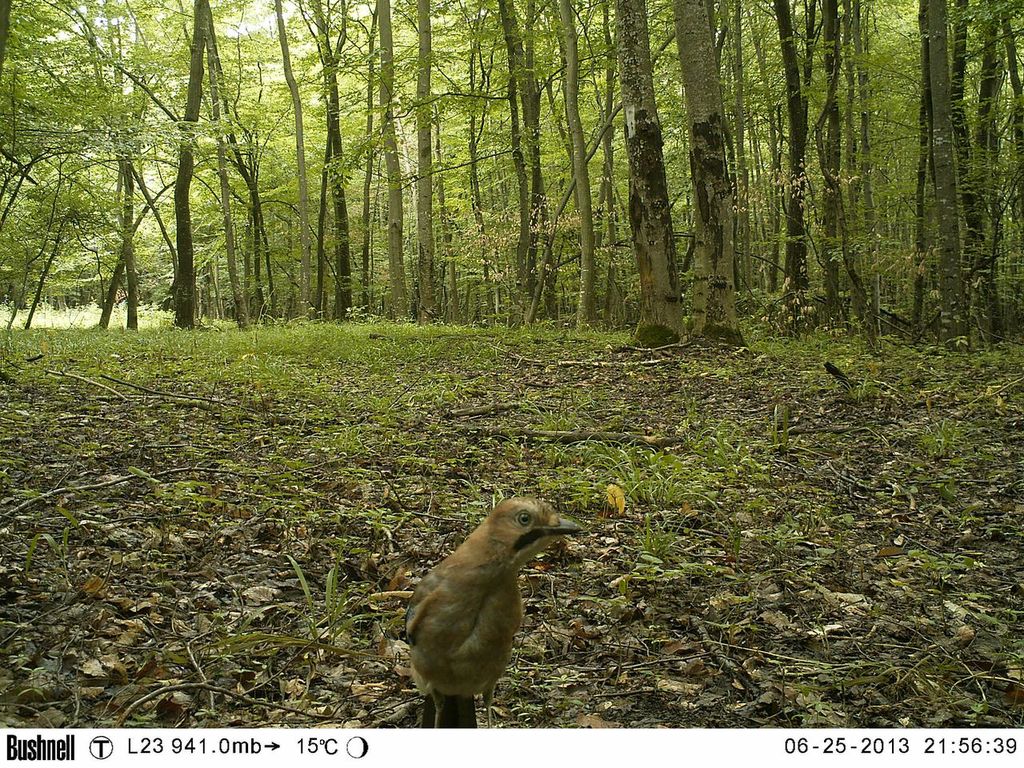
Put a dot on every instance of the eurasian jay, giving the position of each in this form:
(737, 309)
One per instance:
(463, 614)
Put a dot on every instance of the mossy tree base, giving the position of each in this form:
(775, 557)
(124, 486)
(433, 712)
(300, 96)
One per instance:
(651, 336)
(723, 334)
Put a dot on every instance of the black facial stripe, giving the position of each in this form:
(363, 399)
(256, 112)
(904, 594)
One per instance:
(529, 537)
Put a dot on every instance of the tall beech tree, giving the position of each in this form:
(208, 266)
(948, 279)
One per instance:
(425, 303)
(305, 274)
(330, 53)
(399, 306)
(586, 311)
(714, 294)
(650, 217)
(239, 301)
(185, 286)
(797, 280)
(951, 323)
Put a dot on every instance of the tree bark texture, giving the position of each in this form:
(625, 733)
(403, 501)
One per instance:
(370, 156)
(586, 312)
(396, 262)
(650, 219)
(950, 291)
(329, 55)
(923, 159)
(714, 293)
(514, 51)
(985, 305)
(5, 28)
(743, 256)
(425, 309)
(795, 269)
(185, 290)
(240, 305)
(128, 242)
(300, 162)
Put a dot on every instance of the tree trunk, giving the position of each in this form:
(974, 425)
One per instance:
(368, 173)
(742, 170)
(714, 294)
(396, 263)
(426, 309)
(241, 305)
(319, 302)
(1016, 111)
(866, 184)
(526, 85)
(830, 157)
(305, 270)
(329, 54)
(795, 270)
(452, 313)
(185, 290)
(950, 291)
(305, 274)
(514, 51)
(829, 154)
(650, 220)
(127, 241)
(586, 311)
(5, 28)
(530, 93)
(475, 194)
(110, 297)
(45, 273)
(923, 155)
(776, 196)
(249, 171)
(970, 179)
(606, 203)
(985, 167)
(1017, 123)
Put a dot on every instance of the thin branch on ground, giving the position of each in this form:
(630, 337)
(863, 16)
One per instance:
(215, 689)
(574, 437)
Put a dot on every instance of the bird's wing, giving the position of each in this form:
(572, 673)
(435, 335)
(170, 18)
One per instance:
(419, 604)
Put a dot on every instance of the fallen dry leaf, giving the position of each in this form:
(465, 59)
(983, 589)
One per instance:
(616, 499)
(677, 686)
(595, 721)
(260, 595)
(94, 586)
(92, 668)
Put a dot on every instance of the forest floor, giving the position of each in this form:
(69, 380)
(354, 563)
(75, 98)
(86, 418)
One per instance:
(219, 528)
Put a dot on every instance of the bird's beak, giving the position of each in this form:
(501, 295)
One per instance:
(565, 527)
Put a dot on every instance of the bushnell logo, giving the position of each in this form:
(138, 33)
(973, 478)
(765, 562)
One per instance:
(29, 750)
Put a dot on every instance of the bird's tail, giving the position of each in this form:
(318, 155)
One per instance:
(456, 712)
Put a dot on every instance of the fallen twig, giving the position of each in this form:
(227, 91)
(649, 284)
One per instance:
(993, 393)
(87, 380)
(216, 689)
(480, 410)
(172, 395)
(724, 660)
(674, 345)
(95, 486)
(575, 437)
(614, 363)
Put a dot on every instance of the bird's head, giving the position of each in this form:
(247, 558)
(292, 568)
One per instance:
(527, 526)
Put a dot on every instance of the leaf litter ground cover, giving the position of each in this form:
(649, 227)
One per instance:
(220, 528)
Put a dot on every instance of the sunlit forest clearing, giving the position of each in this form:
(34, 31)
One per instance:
(296, 295)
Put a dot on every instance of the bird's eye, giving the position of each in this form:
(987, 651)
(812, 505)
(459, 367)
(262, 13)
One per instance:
(524, 518)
